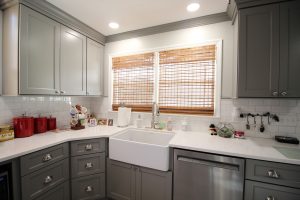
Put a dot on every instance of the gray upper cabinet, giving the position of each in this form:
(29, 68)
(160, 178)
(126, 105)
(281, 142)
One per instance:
(39, 53)
(94, 67)
(72, 62)
(258, 61)
(289, 49)
(269, 54)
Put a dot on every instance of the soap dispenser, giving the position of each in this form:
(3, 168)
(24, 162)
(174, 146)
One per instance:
(139, 122)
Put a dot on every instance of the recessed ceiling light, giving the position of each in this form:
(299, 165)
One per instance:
(193, 7)
(113, 25)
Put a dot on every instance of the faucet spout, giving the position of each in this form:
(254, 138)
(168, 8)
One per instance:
(155, 114)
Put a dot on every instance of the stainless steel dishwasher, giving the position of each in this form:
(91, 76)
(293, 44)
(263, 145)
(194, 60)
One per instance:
(203, 176)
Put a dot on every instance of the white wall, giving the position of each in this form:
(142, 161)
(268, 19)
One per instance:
(200, 34)
(188, 36)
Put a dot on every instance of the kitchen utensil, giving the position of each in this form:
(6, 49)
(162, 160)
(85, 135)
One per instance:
(40, 124)
(23, 126)
(262, 126)
(51, 123)
(248, 124)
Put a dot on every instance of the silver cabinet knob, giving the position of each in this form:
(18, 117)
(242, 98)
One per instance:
(48, 179)
(63, 92)
(88, 147)
(89, 189)
(57, 92)
(284, 93)
(273, 174)
(275, 93)
(270, 198)
(47, 157)
(89, 165)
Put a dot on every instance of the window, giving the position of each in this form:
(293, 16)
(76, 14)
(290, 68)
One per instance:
(133, 81)
(187, 80)
(180, 80)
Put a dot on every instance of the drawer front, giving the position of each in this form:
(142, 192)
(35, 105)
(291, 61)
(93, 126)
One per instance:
(60, 192)
(276, 173)
(88, 164)
(89, 187)
(263, 191)
(84, 147)
(41, 181)
(43, 158)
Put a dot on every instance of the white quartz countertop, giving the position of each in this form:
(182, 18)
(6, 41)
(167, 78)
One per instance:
(254, 148)
(21, 146)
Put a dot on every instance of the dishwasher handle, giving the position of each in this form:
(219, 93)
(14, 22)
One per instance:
(212, 163)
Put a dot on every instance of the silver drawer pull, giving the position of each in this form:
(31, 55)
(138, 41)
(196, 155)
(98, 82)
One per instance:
(47, 157)
(88, 165)
(273, 174)
(270, 198)
(88, 147)
(48, 179)
(89, 189)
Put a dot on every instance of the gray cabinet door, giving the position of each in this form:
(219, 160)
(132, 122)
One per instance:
(258, 57)
(94, 68)
(72, 62)
(89, 187)
(289, 49)
(261, 191)
(39, 53)
(152, 184)
(120, 180)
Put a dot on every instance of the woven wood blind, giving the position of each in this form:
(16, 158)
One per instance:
(133, 81)
(187, 80)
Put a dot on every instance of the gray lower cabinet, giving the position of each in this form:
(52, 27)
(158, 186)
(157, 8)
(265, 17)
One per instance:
(271, 181)
(262, 191)
(129, 182)
(89, 187)
(43, 180)
(61, 192)
(269, 54)
(88, 164)
(72, 62)
(39, 53)
(94, 68)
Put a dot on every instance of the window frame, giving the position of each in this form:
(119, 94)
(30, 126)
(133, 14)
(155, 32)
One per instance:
(218, 72)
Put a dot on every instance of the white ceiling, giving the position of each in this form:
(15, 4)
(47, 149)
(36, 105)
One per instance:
(135, 14)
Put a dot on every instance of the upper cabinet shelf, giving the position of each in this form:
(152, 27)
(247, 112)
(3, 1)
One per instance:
(269, 50)
(53, 59)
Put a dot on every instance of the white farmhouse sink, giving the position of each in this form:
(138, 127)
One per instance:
(145, 148)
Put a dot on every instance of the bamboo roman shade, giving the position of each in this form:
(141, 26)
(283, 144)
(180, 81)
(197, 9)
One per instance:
(133, 81)
(187, 80)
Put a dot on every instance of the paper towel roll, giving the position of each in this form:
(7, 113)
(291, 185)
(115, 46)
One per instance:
(124, 115)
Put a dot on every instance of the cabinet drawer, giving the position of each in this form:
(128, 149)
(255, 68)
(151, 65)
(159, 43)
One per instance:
(89, 187)
(45, 157)
(260, 191)
(276, 173)
(43, 180)
(83, 147)
(88, 164)
(60, 192)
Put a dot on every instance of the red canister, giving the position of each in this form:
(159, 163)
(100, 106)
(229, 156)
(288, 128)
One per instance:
(51, 123)
(40, 124)
(23, 126)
